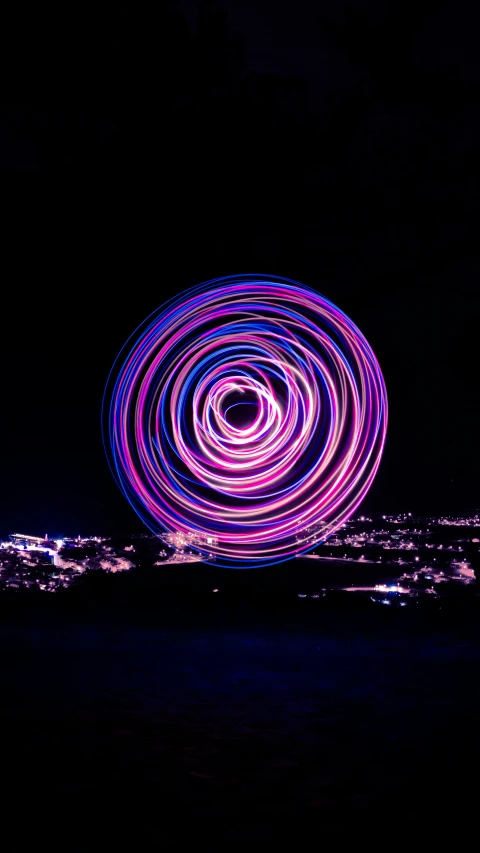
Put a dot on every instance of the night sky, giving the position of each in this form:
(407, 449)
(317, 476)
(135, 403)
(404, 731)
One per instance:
(337, 145)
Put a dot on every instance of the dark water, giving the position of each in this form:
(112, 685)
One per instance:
(114, 732)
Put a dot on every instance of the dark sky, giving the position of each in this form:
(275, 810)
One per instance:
(337, 145)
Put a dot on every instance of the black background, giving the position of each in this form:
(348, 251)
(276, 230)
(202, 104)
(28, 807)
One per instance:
(146, 149)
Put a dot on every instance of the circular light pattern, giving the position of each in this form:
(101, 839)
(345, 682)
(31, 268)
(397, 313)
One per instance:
(248, 416)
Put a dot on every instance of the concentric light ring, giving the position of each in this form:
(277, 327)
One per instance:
(248, 414)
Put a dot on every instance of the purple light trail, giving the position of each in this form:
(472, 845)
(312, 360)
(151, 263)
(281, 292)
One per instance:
(251, 411)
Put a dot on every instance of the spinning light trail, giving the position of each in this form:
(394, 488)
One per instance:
(250, 411)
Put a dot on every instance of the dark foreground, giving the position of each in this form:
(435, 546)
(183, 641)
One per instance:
(120, 731)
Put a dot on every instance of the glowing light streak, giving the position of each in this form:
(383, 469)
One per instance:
(250, 411)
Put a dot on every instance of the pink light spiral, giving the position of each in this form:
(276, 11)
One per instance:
(249, 413)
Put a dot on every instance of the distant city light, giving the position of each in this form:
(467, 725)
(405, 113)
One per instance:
(30, 561)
